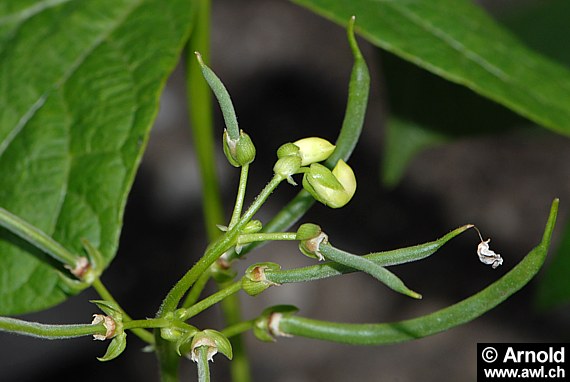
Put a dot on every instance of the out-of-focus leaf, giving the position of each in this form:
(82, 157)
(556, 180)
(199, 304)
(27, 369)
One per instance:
(543, 26)
(404, 140)
(79, 88)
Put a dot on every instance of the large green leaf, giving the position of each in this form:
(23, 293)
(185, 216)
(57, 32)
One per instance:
(458, 41)
(426, 107)
(79, 89)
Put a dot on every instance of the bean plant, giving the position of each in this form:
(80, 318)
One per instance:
(69, 151)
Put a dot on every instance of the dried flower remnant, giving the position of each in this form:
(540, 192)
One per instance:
(487, 256)
(108, 323)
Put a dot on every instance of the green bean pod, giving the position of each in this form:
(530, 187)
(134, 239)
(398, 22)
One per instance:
(387, 258)
(358, 90)
(439, 321)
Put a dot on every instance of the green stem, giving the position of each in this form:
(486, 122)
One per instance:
(209, 301)
(240, 196)
(352, 124)
(200, 110)
(168, 358)
(107, 296)
(51, 332)
(386, 258)
(238, 328)
(215, 250)
(196, 289)
(239, 367)
(262, 236)
(151, 323)
(37, 237)
(202, 361)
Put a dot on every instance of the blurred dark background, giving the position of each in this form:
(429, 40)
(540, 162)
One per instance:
(287, 71)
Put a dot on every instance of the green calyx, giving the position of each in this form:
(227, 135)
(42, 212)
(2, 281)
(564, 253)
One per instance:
(113, 322)
(240, 151)
(214, 341)
(286, 167)
(254, 281)
(310, 238)
(266, 326)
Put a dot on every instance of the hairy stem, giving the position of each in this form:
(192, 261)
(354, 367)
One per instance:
(262, 236)
(215, 250)
(196, 289)
(238, 328)
(239, 370)
(209, 301)
(240, 196)
(148, 323)
(202, 361)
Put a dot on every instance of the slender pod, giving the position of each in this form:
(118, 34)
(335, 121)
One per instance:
(38, 238)
(367, 266)
(441, 320)
(50, 332)
(223, 98)
(358, 90)
(387, 258)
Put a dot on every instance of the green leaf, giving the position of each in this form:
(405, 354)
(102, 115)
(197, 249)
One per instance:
(441, 320)
(542, 26)
(459, 42)
(426, 109)
(404, 140)
(554, 288)
(79, 92)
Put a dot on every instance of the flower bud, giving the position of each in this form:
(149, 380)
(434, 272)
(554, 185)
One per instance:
(314, 150)
(288, 149)
(254, 282)
(286, 167)
(332, 188)
(240, 151)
